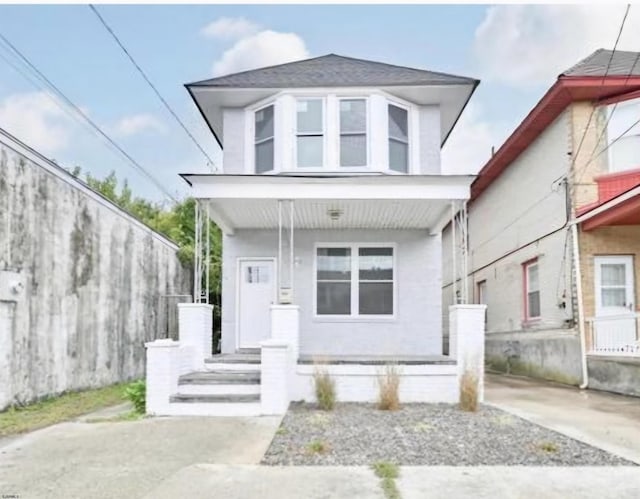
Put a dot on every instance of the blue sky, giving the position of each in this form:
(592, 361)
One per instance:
(515, 50)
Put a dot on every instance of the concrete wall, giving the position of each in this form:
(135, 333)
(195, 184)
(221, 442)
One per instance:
(416, 329)
(614, 374)
(93, 277)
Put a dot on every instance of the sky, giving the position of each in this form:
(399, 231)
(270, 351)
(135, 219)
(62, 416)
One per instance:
(516, 51)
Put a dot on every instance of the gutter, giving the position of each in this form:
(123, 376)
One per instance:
(581, 331)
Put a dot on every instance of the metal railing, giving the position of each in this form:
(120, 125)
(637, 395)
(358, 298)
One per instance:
(614, 335)
(168, 315)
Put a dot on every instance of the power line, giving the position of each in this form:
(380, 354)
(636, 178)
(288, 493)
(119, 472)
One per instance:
(593, 109)
(88, 120)
(153, 87)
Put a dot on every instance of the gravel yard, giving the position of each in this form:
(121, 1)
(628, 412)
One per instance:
(423, 434)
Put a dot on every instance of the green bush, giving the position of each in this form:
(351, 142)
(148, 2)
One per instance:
(136, 392)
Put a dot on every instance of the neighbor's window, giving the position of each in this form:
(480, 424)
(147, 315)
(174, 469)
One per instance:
(353, 132)
(532, 290)
(623, 133)
(398, 139)
(309, 132)
(264, 139)
(354, 281)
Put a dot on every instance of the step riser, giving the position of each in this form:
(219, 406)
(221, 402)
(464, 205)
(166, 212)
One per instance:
(219, 389)
(230, 366)
(217, 409)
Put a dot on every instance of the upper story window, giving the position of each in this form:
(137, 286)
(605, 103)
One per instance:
(623, 133)
(310, 133)
(398, 139)
(353, 132)
(263, 140)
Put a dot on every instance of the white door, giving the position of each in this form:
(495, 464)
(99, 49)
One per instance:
(615, 323)
(256, 294)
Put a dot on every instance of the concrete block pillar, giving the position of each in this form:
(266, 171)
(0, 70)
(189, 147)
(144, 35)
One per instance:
(163, 365)
(275, 376)
(195, 323)
(466, 340)
(285, 326)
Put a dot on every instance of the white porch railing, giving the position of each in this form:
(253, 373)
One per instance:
(614, 335)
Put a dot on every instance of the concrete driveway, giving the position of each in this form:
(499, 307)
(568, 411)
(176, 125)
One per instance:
(125, 459)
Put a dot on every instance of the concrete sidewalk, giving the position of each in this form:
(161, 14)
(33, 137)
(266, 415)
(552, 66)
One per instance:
(605, 420)
(415, 482)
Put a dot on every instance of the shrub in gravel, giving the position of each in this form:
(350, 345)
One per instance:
(469, 392)
(318, 447)
(325, 389)
(389, 385)
(387, 472)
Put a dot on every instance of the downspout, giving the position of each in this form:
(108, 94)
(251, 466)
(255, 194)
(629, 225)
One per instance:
(581, 332)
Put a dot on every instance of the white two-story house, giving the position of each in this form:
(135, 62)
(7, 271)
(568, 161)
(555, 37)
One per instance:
(331, 201)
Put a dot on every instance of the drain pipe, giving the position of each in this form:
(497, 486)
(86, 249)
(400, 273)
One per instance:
(581, 332)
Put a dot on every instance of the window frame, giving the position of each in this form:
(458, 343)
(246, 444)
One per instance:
(297, 134)
(355, 316)
(526, 266)
(391, 102)
(608, 112)
(254, 143)
(367, 150)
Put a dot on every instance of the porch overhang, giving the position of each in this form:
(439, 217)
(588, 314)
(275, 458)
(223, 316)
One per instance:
(339, 202)
(624, 209)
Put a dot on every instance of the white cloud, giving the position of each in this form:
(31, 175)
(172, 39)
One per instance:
(533, 44)
(469, 145)
(37, 120)
(230, 28)
(266, 48)
(138, 123)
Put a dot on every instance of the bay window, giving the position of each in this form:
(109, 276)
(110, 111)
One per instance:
(623, 133)
(355, 280)
(263, 139)
(398, 139)
(310, 133)
(353, 132)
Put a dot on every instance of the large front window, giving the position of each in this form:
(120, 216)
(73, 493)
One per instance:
(355, 280)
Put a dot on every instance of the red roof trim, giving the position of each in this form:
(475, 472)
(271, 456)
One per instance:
(629, 208)
(564, 91)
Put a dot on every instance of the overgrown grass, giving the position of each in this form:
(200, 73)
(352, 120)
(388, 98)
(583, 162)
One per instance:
(469, 392)
(387, 472)
(548, 447)
(389, 386)
(58, 409)
(325, 387)
(318, 447)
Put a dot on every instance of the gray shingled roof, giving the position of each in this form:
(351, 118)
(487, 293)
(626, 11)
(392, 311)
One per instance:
(622, 64)
(333, 71)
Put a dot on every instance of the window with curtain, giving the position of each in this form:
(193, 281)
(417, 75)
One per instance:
(623, 133)
(353, 132)
(264, 139)
(398, 139)
(309, 133)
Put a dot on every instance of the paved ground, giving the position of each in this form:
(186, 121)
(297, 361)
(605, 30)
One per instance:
(605, 420)
(124, 459)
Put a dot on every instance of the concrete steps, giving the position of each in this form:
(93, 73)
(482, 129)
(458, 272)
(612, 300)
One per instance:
(229, 386)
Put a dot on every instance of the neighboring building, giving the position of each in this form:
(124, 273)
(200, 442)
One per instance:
(81, 282)
(572, 167)
(331, 203)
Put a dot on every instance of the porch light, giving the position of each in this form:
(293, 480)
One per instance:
(334, 214)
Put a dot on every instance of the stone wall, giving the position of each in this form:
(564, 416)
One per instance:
(92, 276)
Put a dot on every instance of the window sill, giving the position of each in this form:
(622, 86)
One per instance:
(369, 318)
(527, 323)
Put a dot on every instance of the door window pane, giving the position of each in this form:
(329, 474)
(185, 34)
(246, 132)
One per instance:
(614, 297)
(257, 274)
(612, 274)
(376, 298)
(310, 151)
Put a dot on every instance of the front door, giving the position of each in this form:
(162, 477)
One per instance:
(256, 293)
(615, 323)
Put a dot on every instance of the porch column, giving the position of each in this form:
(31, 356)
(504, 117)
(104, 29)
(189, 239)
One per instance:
(195, 322)
(285, 322)
(163, 359)
(466, 341)
(275, 377)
